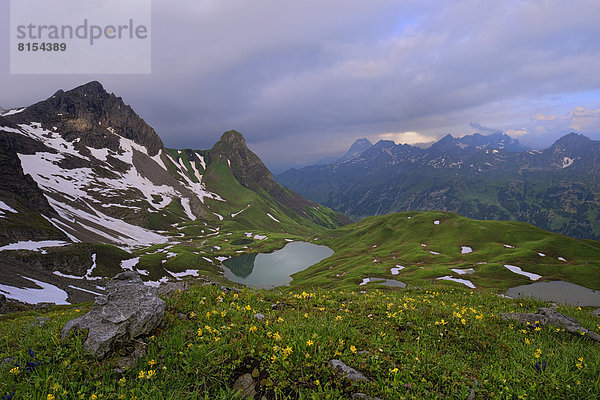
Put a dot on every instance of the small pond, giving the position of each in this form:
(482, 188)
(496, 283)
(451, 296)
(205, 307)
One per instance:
(558, 291)
(268, 270)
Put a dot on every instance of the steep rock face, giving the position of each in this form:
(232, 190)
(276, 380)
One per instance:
(246, 166)
(14, 183)
(89, 113)
(21, 193)
(357, 148)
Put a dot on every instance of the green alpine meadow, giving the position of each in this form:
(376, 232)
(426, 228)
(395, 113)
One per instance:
(432, 339)
(300, 200)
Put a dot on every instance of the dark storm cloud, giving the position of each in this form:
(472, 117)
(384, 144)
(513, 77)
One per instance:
(303, 80)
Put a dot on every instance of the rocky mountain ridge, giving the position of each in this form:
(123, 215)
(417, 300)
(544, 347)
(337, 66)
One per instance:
(477, 176)
(82, 166)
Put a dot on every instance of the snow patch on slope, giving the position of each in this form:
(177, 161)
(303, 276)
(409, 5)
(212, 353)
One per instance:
(463, 281)
(273, 218)
(185, 203)
(46, 294)
(13, 111)
(239, 212)
(34, 245)
(517, 270)
(120, 232)
(130, 263)
(5, 207)
(567, 162)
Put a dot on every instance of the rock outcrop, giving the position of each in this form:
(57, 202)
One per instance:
(251, 173)
(347, 372)
(128, 310)
(13, 182)
(89, 113)
(549, 316)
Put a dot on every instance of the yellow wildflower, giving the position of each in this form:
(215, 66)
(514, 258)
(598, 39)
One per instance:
(152, 363)
(15, 371)
(353, 349)
(309, 342)
(253, 329)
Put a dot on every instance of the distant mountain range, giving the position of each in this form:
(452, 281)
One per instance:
(482, 177)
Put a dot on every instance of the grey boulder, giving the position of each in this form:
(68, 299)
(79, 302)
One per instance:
(129, 309)
(549, 316)
(347, 372)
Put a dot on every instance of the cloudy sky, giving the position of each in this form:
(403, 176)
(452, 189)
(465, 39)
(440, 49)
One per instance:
(303, 79)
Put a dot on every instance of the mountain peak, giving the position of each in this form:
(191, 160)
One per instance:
(233, 137)
(90, 87)
(494, 141)
(91, 114)
(446, 138)
(385, 143)
(246, 166)
(573, 138)
(362, 142)
(357, 148)
(444, 144)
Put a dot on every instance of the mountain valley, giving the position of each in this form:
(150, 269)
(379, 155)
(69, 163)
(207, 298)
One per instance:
(413, 301)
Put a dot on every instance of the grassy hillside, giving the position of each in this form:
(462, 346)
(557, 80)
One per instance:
(256, 204)
(373, 246)
(414, 344)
